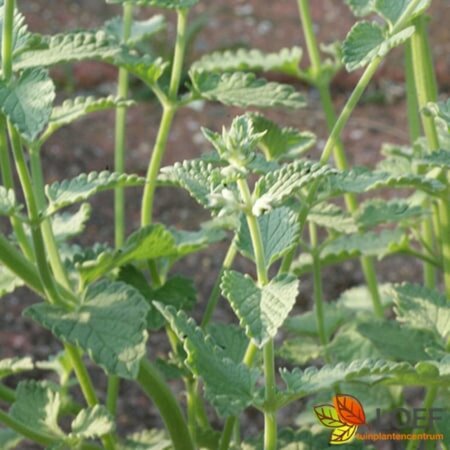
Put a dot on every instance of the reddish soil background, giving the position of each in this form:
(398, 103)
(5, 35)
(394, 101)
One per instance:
(88, 145)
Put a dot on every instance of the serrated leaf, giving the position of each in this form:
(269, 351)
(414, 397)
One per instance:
(261, 310)
(377, 211)
(276, 187)
(8, 281)
(286, 61)
(147, 440)
(328, 416)
(231, 339)
(281, 143)
(280, 232)
(146, 68)
(140, 29)
(188, 242)
(422, 308)
(244, 89)
(67, 225)
(343, 434)
(27, 101)
(230, 387)
(300, 350)
(84, 186)
(109, 324)
(367, 40)
(21, 37)
(74, 109)
(12, 366)
(394, 341)
(391, 11)
(360, 8)
(8, 202)
(440, 111)
(71, 47)
(150, 242)
(332, 217)
(37, 406)
(92, 422)
(439, 158)
(366, 244)
(198, 177)
(361, 179)
(171, 4)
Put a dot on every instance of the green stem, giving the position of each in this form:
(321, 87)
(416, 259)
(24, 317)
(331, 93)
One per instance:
(155, 387)
(427, 405)
(169, 110)
(119, 167)
(215, 293)
(7, 38)
(323, 86)
(7, 394)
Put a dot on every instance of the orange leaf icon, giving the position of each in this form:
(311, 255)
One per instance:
(343, 434)
(349, 409)
(328, 416)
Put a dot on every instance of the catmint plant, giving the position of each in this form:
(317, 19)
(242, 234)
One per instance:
(273, 206)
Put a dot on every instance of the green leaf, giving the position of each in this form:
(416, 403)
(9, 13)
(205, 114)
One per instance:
(276, 187)
(365, 244)
(367, 40)
(330, 216)
(188, 242)
(147, 440)
(441, 113)
(8, 202)
(140, 29)
(198, 177)
(8, 281)
(9, 440)
(84, 186)
(422, 308)
(231, 339)
(261, 310)
(73, 109)
(12, 366)
(67, 225)
(280, 232)
(229, 386)
(360, 8)
(37, 405)
(300, 351)
(21, 37)
(439, 158)
(244, 89)
(377, 211)
(146, 68)
(281, 143)
(391, 11)
(286, 61)
(109, 324)
(394, 341)
(27, 101)
(92, 422)
(150, 242)
(358, 299)
(171, 4)
(360, 180)
(71, 47)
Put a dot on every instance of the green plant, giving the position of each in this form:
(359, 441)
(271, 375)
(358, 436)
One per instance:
(262, 193)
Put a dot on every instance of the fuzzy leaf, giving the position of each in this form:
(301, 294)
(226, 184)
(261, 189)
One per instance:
(92, 422)
(67, 225)
(440, 111)
(360, 8)
(261, 310)
(8, 202)
(276, 187)
(439, 158)
(12, 366)
(8, 281)
(71, 47)
(74, 109)
(84, 186)
(27, 101)
(9, 440)
(171, 4)
(244, 89)
(285, 61)
(21, 37)
(231, 339)
(361, 179)
(422, 308)
(391, 11)
(188, 242)
(198, 177)
(332, 217)
(281, 143)
(140, 29)
(375, 212)
(230, 387)
(300, 350)
(280, 231)
(147, 440)
(365, 244)
(37, 405)
(109, 324)
(146, 68)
